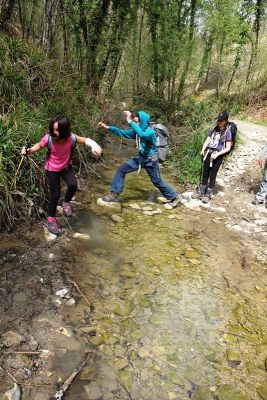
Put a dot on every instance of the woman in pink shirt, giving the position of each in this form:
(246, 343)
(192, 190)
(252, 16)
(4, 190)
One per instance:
(60, 142)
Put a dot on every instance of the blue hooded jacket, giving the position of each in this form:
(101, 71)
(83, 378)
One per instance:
(147, 136)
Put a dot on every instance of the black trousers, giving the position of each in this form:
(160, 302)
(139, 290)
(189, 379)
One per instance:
(210, 173)
(54, 186)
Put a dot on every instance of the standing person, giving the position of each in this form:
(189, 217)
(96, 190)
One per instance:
(218, 143)
(147, 158)
(60, 142)
(261, 196)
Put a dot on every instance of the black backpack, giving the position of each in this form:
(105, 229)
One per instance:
(234, 135)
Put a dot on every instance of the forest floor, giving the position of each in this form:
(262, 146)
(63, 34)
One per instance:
(162, 304)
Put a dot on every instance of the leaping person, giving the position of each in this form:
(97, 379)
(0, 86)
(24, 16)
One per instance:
(147, 158)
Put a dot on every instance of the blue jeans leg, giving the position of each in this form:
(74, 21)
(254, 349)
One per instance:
(152, 168)
(119, 178)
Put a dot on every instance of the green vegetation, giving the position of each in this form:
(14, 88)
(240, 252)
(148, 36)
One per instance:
(29, 96)
(184, 59)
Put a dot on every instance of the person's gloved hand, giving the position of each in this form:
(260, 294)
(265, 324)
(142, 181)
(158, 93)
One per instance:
(23, 151)
(95, 148)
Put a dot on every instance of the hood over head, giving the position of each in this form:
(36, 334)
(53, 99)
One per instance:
(144, 119)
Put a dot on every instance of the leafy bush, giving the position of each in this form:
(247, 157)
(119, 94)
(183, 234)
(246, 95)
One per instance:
(33, 89)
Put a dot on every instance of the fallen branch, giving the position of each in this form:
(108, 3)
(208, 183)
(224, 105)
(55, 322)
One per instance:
(81, 293)
(60, 393)
(23, 352)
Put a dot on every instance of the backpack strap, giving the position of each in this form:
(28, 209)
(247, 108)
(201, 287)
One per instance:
(73, 140)
(50, 143)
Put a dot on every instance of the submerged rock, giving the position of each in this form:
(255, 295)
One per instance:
(126, 377)
(262, 392)
(203, 393)
(228, 392)
(93, 392)
(233, 358)
(120, 364)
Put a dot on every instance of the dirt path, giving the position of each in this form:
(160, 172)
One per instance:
(241, 177)
(238, 182)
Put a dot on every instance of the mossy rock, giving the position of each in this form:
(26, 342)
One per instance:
(174, 378)
(156, 318)
(261, 348)
(262, 392)
(232, 356)
(203, 393)
(126, 378)
(228, 392)
(123, 309)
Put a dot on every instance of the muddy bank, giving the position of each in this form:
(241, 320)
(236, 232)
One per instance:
(177, 305)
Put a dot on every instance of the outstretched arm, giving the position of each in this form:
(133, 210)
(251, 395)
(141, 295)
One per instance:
(95, 148)
(126, 133)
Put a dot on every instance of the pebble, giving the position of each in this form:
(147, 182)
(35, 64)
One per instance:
(82, 236)
(11, 338)
(71, 302)
(13, 394)
(103, 203)
(49, 237)
(135, 206)
(116, 218)
(62, 292)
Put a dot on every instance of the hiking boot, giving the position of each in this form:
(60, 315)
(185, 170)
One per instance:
(256, 202)
(207, 196)
(67, 211)
(111, 198)
(175, 202)
(200, 193)
(52, 227)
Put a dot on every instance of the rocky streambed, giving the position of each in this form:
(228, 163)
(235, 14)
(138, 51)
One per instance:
(164, 305)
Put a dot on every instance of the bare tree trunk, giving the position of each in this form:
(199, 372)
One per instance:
(65, 36)
(205, 61)
(189, 52)
(6, 10)
(49, 26)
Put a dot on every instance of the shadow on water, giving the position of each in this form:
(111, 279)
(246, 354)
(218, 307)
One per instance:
(174, 315)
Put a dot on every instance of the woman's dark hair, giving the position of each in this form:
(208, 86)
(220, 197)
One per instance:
(63, 126)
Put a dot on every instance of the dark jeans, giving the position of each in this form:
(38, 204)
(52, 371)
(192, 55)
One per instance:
(210, 173)
(151, 167)
(54, 186)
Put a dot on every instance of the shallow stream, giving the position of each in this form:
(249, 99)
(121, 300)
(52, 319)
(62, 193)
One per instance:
(178, 305)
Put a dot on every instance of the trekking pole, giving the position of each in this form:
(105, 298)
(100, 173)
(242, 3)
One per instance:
(27, 146)
(201, 169)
